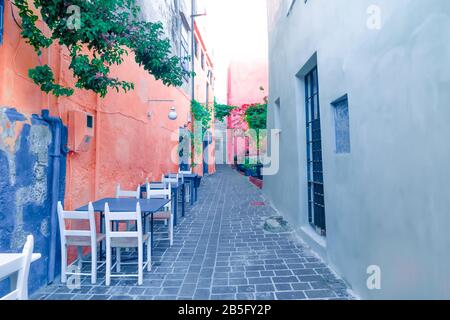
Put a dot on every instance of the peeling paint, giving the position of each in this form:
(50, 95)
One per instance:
(25, 142)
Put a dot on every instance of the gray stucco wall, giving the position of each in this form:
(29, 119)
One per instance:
(169, 13)
(387, 202)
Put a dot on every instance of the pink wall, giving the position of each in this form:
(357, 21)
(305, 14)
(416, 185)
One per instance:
(245, 78)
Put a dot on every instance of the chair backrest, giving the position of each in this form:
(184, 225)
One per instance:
(87, 216)
(171, 178)
(128, 194)
(135, 216)
(155, 185)
(161, 193)
(181, 177)
(21, 290)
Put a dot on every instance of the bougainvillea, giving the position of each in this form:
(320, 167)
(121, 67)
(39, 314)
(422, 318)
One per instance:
(98, 34)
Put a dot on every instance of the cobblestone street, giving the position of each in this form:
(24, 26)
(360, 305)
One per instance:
(221, 251)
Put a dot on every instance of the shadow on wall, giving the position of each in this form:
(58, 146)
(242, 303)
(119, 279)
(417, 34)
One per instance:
(25, 200)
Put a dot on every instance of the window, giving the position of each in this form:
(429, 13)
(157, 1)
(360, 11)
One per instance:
(316, 194)
(196, 47)
(184, 47)
(277, 114)
(203, 60)
(211, 78)
(290, 6)
(342, 125)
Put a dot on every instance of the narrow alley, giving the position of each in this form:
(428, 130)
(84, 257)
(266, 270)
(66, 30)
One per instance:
(221, 252)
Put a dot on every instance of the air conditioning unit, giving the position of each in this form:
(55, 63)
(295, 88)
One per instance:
(81, 131)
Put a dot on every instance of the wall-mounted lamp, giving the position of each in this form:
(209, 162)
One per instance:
(173, 112)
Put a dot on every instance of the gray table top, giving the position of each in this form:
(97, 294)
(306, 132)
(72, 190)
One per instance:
(148, 206)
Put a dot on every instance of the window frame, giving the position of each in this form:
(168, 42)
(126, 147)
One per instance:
(184, 46)
(337, 132)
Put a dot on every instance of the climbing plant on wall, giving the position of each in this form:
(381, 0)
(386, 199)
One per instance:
(221, 111)
(256, 118)
(201, 113)
(98, 34)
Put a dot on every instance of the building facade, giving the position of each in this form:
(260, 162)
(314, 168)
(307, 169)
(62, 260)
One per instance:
(247, 84)
(130, 135)
(359, 90)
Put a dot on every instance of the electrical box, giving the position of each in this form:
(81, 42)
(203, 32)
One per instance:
(81, 131)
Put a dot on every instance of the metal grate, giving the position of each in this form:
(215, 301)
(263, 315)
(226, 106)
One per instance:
(316, 201)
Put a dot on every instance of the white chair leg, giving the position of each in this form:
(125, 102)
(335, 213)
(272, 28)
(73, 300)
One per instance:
(94, 265)
(108, 263)
(64, 264)
(149, 254)
(140, 264)
(171, 230)
(118, 259)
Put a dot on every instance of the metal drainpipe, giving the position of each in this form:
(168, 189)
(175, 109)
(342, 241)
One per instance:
(56, 125)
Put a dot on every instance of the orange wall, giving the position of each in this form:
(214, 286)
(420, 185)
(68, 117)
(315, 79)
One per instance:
(128, 145)
(200, 95)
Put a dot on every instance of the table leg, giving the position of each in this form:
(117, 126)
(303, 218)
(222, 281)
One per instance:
(102, 231)
(196, 189)
(151, 232)
(191, 191)
(183, 199)
(175, 206)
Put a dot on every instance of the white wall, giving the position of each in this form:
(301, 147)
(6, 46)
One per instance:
(388, 201)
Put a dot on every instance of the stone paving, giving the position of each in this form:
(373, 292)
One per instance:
(221, 252)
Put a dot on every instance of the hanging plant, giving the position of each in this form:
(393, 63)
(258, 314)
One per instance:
(98, 34)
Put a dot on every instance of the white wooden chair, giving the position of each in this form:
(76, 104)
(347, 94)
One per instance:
(166, 214)
(79, 238)
(171, 178)
(188, 188)
(126, 239)
(128, 194)
(21, 291)
(155, 185)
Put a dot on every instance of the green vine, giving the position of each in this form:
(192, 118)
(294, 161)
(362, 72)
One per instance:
(256, 117)
(202, 114)
(97, 38)
(221, 111)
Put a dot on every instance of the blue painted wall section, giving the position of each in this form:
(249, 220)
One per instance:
(25, 181)
(2, 20)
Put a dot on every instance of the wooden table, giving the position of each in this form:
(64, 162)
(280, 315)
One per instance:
(175, 187)
(148, 208)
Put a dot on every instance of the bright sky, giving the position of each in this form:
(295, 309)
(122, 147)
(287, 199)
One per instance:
(236, 29)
